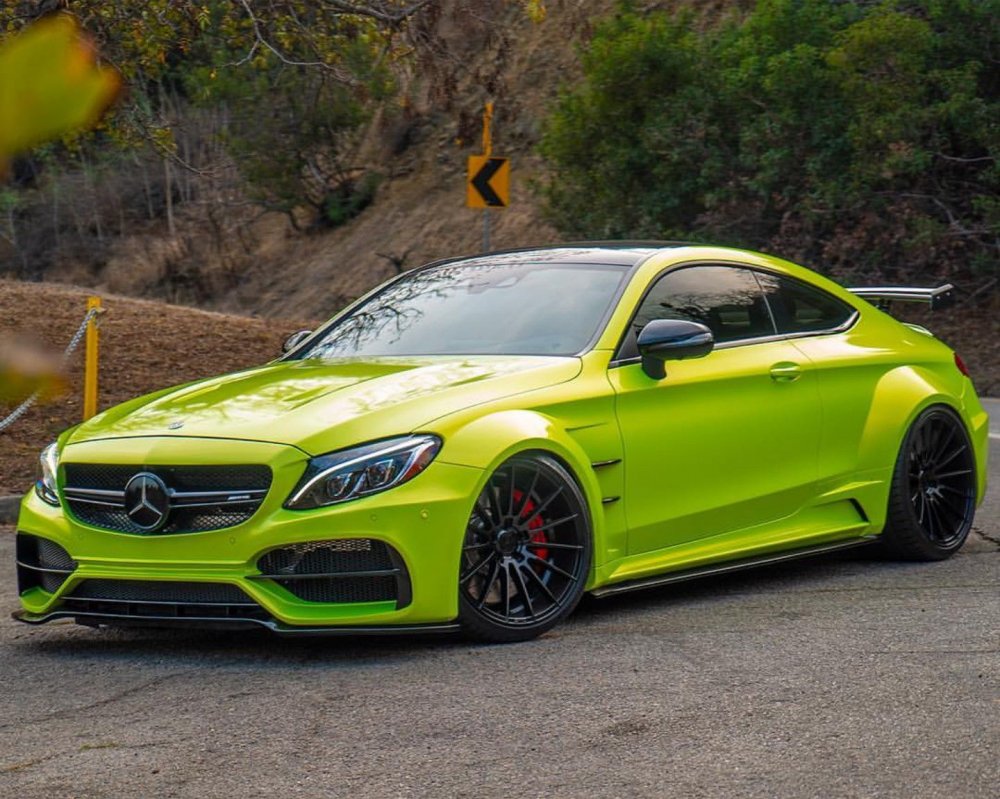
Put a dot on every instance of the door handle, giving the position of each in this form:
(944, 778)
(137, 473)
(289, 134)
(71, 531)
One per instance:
(786, 372)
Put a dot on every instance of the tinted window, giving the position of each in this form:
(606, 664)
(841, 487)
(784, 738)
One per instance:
(726, 299)
(492, 306)
(801, 308)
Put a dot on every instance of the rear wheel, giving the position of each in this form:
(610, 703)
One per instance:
(933, 494)
(526, 553)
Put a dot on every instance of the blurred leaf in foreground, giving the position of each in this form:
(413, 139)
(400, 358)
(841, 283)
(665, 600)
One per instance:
(50, 84)
(27, 367)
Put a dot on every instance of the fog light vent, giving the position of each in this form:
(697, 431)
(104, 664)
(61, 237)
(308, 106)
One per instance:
(338, 570)
(41, 563)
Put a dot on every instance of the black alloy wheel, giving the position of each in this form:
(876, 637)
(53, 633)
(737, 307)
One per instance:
(933, 497)
(526, 553)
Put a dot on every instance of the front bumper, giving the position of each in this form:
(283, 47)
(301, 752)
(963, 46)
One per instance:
(422, 521)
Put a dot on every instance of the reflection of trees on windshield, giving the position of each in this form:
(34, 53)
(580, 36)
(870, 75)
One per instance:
(493, 304)
(389, 313)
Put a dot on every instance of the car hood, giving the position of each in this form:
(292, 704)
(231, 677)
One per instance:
(320, 406)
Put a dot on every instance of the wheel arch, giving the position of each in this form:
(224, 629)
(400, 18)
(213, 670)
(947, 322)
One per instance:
(489, 441)
(900, 396)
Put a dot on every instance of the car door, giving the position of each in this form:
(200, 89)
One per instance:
(723, 442)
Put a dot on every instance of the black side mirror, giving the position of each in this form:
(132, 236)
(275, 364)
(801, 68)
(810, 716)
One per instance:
(294, 340)
(671, 340)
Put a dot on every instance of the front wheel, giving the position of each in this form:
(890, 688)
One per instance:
(526, 553)
(933, 495)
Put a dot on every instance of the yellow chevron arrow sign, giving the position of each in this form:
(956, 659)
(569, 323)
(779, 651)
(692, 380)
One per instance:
(488, 183)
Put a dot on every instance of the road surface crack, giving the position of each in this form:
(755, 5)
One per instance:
(993, 539)
(115, 697)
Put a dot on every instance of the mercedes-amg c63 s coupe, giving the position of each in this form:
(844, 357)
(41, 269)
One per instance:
(479, 441)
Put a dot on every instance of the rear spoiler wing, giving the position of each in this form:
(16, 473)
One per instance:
(881, 297)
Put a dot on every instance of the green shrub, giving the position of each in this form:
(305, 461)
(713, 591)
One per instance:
(853, 135)
(350, 198)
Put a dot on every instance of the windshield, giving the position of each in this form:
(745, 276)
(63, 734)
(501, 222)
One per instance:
(486, 307)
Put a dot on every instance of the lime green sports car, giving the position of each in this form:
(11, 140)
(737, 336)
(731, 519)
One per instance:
(476, 443)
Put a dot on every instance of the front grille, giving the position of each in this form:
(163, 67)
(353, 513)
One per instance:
(180, 521)
(339, 570)
(159, 591)
(41, 563)
(181, 478)
(162, 599)
(203, 498)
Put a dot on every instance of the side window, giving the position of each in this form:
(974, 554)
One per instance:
(801, 308)
(728, 300)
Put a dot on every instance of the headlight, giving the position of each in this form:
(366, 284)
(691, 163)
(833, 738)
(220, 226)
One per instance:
(359, 471)
(46, 487)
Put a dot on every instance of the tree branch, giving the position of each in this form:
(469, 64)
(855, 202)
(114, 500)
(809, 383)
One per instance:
(260, 40)
(382, 13)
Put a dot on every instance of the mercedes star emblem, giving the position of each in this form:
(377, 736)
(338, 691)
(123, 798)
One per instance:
(147, 501)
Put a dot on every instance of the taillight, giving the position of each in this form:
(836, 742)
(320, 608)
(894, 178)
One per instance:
(961, 366)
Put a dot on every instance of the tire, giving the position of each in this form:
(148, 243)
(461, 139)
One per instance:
(933, 494)
(526, 553)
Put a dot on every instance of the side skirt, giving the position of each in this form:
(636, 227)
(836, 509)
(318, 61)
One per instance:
(730, 566)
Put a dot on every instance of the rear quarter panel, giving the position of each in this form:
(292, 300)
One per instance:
(875, 379)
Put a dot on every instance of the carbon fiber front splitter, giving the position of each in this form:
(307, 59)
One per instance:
(208, 622)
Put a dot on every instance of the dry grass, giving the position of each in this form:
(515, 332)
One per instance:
(144, 345)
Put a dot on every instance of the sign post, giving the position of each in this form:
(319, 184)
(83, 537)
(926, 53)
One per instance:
(91, 361)
(488, 181)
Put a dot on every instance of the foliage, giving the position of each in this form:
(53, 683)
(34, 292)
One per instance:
(292, 127)
(232, 108)
(49, 85)
(298, 81)
(350, 198)
(853, 134)
(148, 40)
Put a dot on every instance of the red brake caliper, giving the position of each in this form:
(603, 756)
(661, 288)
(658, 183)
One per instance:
(534, 524)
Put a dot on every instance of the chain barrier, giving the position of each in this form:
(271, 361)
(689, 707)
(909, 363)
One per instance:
(74, 342)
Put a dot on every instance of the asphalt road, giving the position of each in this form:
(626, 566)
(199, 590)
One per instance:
(836, 677)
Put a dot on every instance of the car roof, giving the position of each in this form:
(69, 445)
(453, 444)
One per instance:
(615, 253)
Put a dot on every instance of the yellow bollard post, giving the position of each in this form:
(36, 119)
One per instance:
(91, 361)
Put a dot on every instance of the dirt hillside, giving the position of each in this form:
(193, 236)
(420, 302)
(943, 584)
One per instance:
(419, 213)
(144, 346)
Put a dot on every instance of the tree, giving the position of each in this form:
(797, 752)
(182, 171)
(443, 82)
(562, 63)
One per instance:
(854, 135)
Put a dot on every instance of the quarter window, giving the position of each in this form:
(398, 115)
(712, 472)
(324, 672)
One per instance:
(801, 308)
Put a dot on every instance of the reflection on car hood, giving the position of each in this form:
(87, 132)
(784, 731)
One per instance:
(322, 406)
